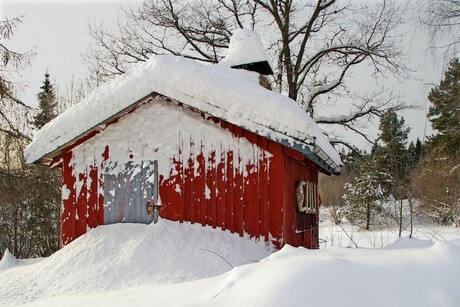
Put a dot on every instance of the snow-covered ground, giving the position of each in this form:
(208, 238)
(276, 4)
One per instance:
(172, 264)
(347, 235)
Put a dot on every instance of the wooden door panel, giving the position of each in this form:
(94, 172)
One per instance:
(127, 191)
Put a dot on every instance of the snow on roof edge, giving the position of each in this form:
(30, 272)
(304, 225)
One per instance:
(226, 93)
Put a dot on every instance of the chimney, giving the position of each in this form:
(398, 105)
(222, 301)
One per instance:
(247, 52)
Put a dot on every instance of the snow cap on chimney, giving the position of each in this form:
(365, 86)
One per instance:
(246, 51)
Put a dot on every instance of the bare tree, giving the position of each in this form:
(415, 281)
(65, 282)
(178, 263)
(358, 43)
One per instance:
(314, 45)
(437, 186)
(198, 30)
(332, 189)
(29, 195)
(11, 63)
(73, 92)
(29, 203)
(442, 20)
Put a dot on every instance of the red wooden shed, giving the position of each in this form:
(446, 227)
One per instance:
(207, 144)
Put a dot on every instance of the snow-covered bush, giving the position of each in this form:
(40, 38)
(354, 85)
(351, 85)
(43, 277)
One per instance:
(364, 198)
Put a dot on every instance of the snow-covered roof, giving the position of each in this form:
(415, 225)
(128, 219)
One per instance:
(232, 95)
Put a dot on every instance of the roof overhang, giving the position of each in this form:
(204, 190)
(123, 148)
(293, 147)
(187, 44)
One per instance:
(49, 157)
(306, 147)
(315, 154)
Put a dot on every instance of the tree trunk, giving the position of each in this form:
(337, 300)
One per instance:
(400, 216)
(368, 215)
(411, 209)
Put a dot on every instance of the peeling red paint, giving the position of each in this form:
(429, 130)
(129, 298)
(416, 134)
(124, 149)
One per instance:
(258, 201)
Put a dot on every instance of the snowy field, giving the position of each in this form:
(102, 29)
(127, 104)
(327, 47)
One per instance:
(172, 264)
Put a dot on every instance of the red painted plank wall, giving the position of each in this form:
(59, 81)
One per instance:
(68, 202)
(220, 195)
(85, 210)
(301, 229)
(258, 201)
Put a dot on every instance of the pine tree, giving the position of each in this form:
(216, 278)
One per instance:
(415, 153)
(365, 197)
(42, 202)
(444, 114)
(391, 156)
(47, 104)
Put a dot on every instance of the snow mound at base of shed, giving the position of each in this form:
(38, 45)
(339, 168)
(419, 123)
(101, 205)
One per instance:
(123, 255)
(166, 265)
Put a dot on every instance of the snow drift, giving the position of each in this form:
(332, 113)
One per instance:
(115, 256)
(173, 264)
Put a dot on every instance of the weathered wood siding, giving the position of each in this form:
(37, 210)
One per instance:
(220, 194)
(127, 192)
(255, 199)
(301, 228)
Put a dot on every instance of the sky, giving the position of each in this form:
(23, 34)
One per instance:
(58, 32)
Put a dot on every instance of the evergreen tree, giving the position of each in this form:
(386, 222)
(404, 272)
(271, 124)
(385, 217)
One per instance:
(29, 194)
(415, 153)
(46, 201)
(46, 103)
(444, 113)
(365, 197)
(391, 156)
